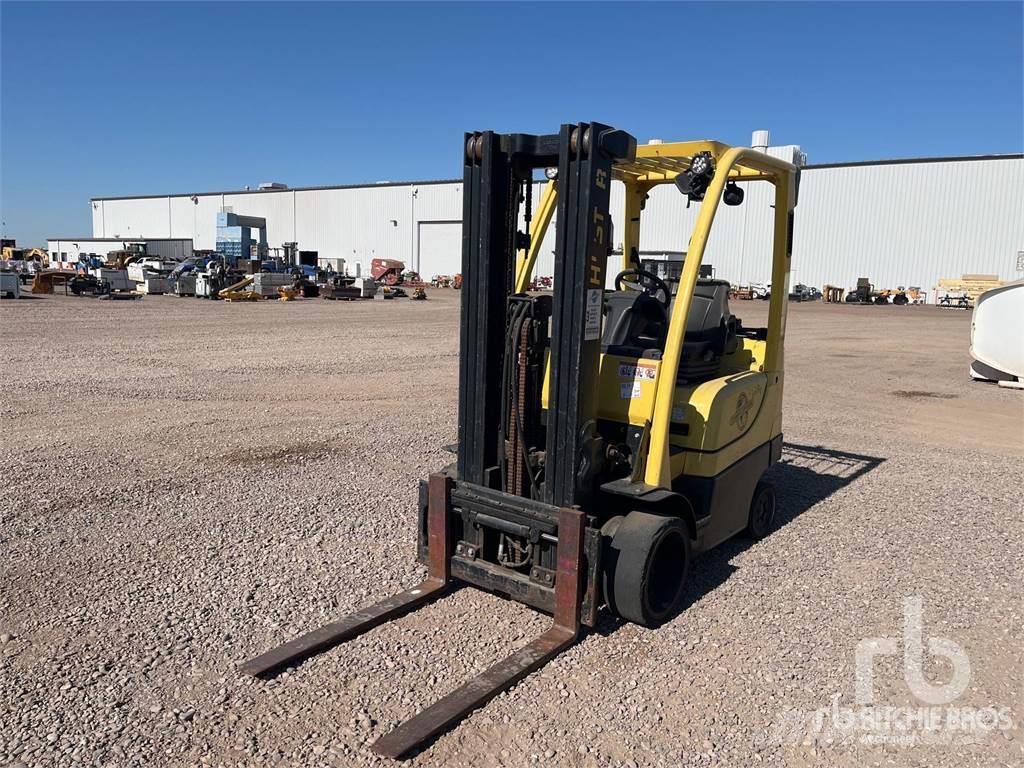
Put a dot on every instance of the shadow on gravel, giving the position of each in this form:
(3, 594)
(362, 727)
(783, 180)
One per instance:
(807, 474)
(804, 476)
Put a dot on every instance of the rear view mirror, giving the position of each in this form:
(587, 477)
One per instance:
(733, 194)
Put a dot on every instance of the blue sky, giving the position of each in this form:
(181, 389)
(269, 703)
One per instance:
(148, 98)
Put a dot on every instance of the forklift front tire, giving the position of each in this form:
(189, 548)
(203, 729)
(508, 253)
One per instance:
(645, 569)
(762, 511)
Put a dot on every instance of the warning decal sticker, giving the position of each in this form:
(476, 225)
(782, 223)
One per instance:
(641, 372)
(629, 391)
(592, 325)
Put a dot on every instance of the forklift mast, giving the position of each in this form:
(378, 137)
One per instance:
(494, 442)
(513, 517)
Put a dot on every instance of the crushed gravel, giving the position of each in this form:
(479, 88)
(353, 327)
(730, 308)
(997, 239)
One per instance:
(188, 483)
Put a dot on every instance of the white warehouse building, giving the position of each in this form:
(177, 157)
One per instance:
(897, 222)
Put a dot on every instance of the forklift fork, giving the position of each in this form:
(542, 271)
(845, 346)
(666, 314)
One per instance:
(449, 710)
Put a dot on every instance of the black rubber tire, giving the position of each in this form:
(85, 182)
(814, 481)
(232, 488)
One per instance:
(761, 519)
(646, 562)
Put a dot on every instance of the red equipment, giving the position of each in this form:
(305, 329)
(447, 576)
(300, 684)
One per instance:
(392, 272)
(387, 271)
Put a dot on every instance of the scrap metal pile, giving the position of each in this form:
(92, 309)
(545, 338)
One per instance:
(284, 274)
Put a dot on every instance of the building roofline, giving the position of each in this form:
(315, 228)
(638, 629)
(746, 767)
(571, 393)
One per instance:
(371, 185)
(913, 161)
(91, 239)
(376, 185)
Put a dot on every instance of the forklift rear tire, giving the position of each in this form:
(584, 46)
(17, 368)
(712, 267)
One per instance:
(646, 563)
(762, 511)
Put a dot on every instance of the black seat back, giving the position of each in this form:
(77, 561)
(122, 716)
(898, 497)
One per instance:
(710, 330)
(635, 324)
(709, 308)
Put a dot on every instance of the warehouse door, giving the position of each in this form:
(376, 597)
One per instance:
(439, 248)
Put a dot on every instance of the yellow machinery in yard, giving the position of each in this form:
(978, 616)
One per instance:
(13, 253)
(832, 294)
(605, 437)
(238, 291)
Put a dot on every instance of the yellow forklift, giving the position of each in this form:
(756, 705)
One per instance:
(605, 437)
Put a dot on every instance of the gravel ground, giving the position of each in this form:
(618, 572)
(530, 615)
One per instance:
(189, 483)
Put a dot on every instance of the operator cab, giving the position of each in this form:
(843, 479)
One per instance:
(636, 323)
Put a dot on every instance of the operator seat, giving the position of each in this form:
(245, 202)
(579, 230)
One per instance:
(635, 325)
(710, 331)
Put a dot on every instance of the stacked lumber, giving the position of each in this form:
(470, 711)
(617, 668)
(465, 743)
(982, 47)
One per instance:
(970, 286)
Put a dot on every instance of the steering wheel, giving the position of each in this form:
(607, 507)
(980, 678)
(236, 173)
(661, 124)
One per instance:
(649, 283)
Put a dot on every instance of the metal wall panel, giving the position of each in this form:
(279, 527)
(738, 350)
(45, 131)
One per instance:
(437, 202)
(356, 224)
(185, 220)
(439, 248)
(898, 224)
(386, 220)
(204, 226)
(170, 249)
(318, 224)
(196, 218)
(138, 218)
(278, 208)
(98, 225)
(909, 224)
